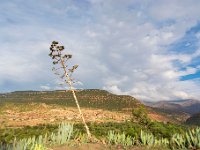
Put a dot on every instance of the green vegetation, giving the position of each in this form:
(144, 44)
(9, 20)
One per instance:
(9, 134)
(159, 129)
(97, 129)
(120, 139)
(151, 140)
(67, 133)
(140, 115)
(188, 140)
(62, 136)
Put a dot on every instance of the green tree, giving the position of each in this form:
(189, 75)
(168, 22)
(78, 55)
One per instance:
(140, 115)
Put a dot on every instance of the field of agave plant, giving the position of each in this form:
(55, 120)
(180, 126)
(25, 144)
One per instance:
(188, 140)
(66, 134)
(62, 136)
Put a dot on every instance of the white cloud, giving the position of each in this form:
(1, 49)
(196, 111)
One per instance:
(119, 45)
(114, 89)
(181, 94)
(45, 87)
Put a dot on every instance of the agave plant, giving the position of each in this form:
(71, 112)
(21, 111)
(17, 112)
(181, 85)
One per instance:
(192, 138)
(188, 140)
(147, 138)
(64, 133)
(65, 73)
(161, 142)
(178, 141)
(120, 139)
(31, 143)
(62, 136)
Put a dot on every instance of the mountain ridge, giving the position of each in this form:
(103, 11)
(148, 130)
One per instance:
(190, 106)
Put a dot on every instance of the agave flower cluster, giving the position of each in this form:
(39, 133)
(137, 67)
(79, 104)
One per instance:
(57, 55)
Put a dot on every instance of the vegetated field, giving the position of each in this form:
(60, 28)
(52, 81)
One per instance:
(25, 114)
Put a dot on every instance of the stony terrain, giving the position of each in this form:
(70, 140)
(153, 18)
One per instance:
(33, 114)
(18, 115)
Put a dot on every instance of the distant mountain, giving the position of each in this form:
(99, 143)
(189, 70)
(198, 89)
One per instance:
(189, 106)
(194, 120)
(167, 105)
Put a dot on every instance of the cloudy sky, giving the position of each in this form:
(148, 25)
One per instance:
(147, 49)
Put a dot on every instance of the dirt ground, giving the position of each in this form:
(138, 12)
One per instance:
(34, 114)
(83, 147)
(103, 147)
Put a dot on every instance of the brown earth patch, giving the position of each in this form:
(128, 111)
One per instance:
(100, 146)
(158, 117)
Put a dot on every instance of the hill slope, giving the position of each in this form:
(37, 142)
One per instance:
(194, 120)
(87, 98)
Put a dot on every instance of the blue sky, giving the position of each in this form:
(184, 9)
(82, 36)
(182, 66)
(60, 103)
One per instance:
(145, 49)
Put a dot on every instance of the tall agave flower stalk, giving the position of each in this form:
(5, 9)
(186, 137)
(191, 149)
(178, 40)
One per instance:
(56, 53)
